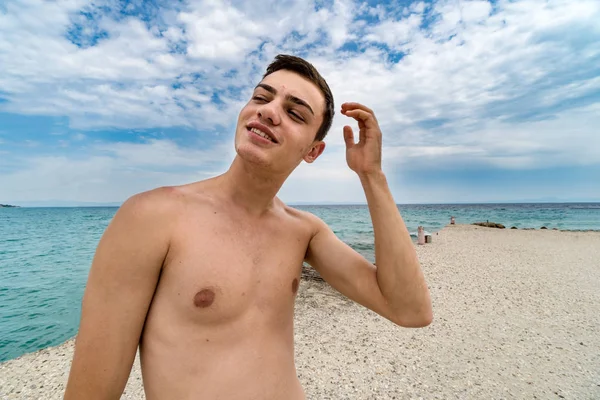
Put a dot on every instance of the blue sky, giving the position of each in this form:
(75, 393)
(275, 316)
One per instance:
(478, 101)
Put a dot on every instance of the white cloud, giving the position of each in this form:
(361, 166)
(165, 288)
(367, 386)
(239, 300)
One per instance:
(210, 38)
(417, 7)
(112, 172)
(496, 86)
(561, 141)
(396, 33)
(128, 78)
(474, 11)
(165, 153)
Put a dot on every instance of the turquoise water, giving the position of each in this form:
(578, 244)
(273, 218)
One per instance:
(45, 255)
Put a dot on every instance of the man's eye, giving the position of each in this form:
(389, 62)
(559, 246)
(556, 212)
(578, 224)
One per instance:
(295, 115)
(259, 98)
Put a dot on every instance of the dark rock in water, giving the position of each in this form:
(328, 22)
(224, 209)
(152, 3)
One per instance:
(490, 225)
(554, 229)
(514, 227)
(543, 227)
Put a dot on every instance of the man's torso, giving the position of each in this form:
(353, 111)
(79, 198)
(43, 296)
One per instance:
(220, 325)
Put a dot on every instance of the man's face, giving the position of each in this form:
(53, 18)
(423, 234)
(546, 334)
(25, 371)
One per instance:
(288, 109)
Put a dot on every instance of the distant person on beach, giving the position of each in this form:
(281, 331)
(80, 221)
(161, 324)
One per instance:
(203, 277)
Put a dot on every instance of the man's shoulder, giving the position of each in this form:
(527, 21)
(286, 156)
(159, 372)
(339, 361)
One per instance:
(155, 199)
(156, 204)
(313, 222)
(169, 196)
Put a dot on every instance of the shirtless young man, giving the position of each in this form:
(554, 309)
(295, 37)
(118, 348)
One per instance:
(204, 276)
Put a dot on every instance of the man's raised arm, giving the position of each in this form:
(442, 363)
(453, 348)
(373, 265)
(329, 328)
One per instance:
(120, 287)
(399, 275)
(396, 287)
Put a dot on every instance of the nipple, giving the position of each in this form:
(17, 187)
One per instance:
(204, 298)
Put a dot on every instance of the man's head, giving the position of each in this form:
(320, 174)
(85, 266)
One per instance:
(293, 107)
(309, 72)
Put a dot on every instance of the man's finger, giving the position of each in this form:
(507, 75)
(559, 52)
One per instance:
(353, 106)
(360, 115)
(348, 137)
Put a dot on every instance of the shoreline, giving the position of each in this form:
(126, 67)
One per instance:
(515, 316)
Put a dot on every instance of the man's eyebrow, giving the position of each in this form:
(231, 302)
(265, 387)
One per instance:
(289, 97)
(268, 88)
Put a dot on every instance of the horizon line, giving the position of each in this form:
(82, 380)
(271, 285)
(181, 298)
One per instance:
(116, 205)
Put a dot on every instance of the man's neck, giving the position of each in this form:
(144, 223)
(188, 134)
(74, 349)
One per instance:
(250, 187)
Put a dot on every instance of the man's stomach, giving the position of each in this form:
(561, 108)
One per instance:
(251, 365)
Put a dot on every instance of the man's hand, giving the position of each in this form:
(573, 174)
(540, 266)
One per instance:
(363, 157)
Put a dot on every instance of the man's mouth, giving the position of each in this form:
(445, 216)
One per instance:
(262, 134)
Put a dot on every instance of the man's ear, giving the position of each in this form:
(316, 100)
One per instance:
(315, 151)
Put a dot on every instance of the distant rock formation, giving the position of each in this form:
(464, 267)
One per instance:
(543, 227)
(514, 227)
(489, 224)
(7, 206)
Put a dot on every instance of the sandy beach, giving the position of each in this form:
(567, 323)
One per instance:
(516, 316)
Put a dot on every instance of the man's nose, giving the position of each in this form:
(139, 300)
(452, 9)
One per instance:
(269, 112)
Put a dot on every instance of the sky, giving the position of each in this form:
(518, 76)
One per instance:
(478, 101)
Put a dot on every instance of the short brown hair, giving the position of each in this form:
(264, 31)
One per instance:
(308, 71)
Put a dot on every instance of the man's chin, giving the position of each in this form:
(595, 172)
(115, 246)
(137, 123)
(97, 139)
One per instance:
(253, 155)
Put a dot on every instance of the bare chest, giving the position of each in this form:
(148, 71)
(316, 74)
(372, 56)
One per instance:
(220, 270)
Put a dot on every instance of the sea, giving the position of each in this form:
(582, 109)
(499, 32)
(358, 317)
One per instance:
(46, 253)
